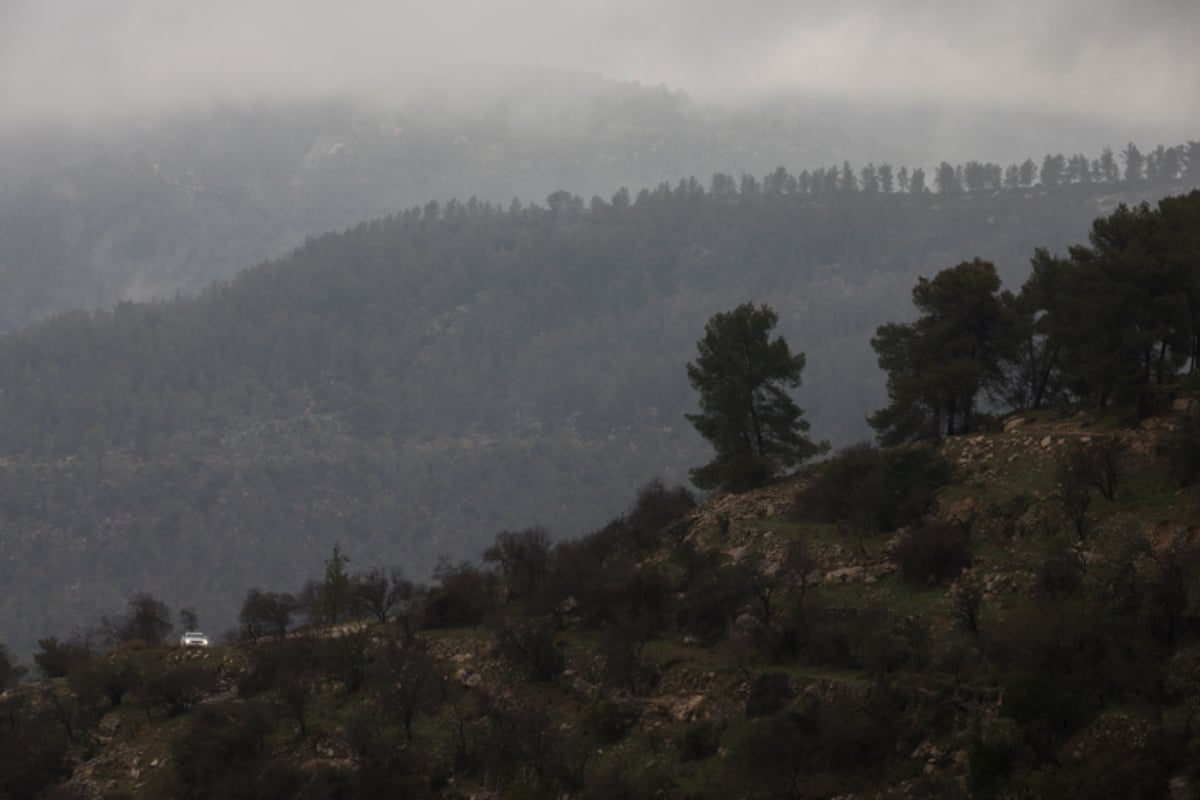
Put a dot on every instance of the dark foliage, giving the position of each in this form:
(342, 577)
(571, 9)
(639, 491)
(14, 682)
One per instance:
(407, 681)
(379, 593)
(714, 600)
(521, 558)
(933, 554)
(937, 365)
(966, 597)
(769, 692)
(344, 658)
(782, 755)
(607, 720)
(111, 677)
(1061, 572)
(743, 377)
(1118, 316)
(1060, 667)
(622, 648)
(655, 509)
(1098, 464)
(871, 490)
(10, 671)
(266, 614)
(1181, 450)
(698, 740)
(146, 619)
(175, 690)
(530, 645)
(331, 600)
(635, 781)
(56, 659)
(462, 596)
(36, 748)
(218, 754)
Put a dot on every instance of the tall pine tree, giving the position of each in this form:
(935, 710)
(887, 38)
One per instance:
(937, 365)
(743, 376)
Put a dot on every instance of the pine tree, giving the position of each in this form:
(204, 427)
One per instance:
(937, 365)
(745, 411)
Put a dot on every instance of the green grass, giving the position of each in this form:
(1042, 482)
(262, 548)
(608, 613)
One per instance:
(792, 530)
(477, 634)
(890, 591)
(667, 652)
(802, 672)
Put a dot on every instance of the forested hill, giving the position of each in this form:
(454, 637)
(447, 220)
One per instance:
(137, 208)
(413, 385)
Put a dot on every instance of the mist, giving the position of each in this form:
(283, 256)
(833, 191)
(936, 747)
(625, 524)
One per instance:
(1112, 60)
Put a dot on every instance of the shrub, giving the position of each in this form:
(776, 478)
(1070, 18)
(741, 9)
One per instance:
(884, 642)
(10, 672)
(218, 754)
(344, 659)
(1061, 572)
(624, 778)
(933, 555)
(521, 557)
(621, 647)
(147, 619)
(769, 692)
(531, 646)
(991, 755)
(266, 614)
(656, 508)
(607, 720)
(110, 678)
(712, 603)
(35, 747)
(271, 663)
(1181, 450)
(57, 659)
(407, 681)
(1098, 464)
(177, 689)
(461, 598)
(915, 475)
(698, 740)
(872, 490)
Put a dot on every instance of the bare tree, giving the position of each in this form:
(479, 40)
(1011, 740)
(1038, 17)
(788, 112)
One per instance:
(146, 619)
(378, 592)
(188, 619)
(521, 556)
(266, 614)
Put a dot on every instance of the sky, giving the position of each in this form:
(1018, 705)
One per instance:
(1114, 59)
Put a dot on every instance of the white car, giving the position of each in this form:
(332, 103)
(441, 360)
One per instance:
(193, 639)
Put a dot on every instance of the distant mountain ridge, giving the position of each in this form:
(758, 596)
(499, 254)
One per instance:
(138, 209)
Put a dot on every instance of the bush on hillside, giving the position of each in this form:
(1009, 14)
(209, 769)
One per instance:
(933, 555)
(872, 490)
(57, 659)
(461, 598)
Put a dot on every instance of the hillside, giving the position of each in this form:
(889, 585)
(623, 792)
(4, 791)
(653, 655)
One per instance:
(410, 387)
(755, 646)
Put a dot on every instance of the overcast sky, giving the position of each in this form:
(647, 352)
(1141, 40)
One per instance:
(1105, 58)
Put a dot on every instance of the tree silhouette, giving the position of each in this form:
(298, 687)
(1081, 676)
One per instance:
(937, 365)
(745, 412)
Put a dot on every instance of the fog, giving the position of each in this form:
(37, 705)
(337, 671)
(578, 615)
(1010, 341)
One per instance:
(1112, 60)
